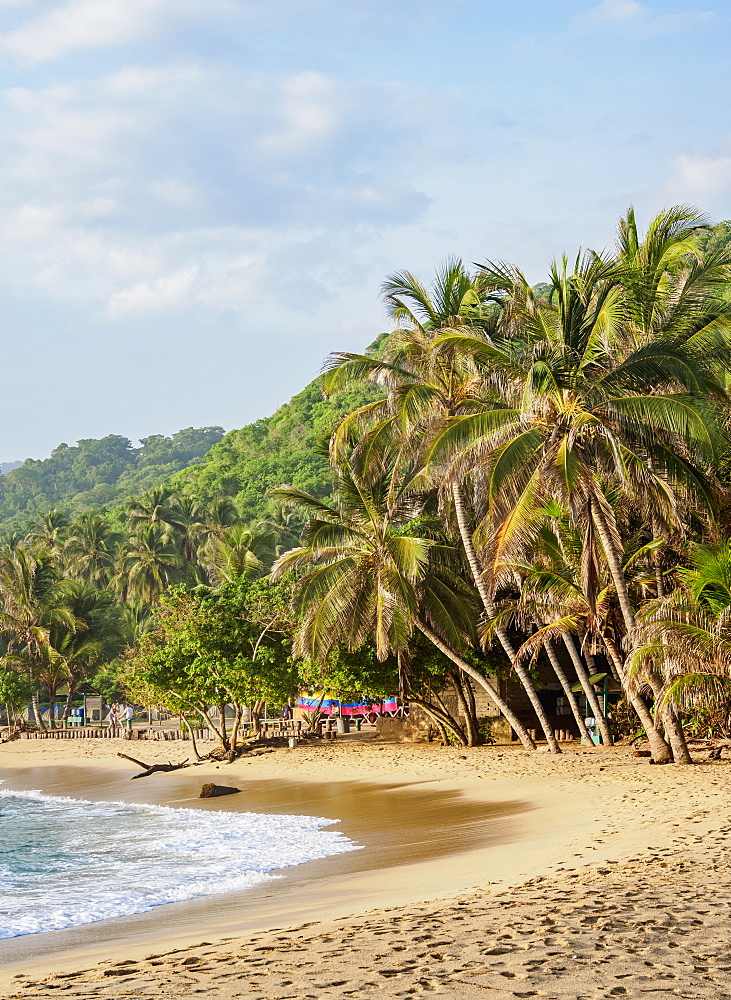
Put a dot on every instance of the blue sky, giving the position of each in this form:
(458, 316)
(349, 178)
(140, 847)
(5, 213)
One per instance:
(200, 198)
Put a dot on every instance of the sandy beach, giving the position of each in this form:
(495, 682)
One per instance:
(483, 872)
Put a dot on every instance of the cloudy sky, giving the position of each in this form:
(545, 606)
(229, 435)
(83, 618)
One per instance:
(200, 198)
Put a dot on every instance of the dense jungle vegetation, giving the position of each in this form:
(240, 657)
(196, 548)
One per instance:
(97, 473)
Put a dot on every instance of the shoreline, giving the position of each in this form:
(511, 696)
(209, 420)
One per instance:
(489, 820)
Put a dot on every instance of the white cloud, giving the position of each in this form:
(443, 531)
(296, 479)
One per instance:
(638, 17)
(701, 180)
(167, 291)
(617, 10)
(162, 188)
(82, 24)
(79, 25)
(308, 108)
(30, 222)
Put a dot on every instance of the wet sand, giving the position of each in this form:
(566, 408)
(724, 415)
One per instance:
(613, 842)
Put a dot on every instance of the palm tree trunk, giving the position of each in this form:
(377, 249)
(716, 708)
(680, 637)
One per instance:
(661, 752)
(673, 725)
(564, 682)
(37, 709)
(476, 570)
(591, 664)
(676, 736)
(615, 566)
(517, 726)
(69, 702)
(442, 718)
(472, 732)
(583, 678)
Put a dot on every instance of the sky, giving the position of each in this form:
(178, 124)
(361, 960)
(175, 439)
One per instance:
(199, 199)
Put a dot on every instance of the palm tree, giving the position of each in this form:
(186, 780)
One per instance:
(686, 636)
(99, 637)
(188, 528)
(287, 527)
(242, 550)
(90, 550)
(426, 388)
(581, 409)
(668, 284)
(151, 508)
(32, 601)
(565, 592)
(50, 531)
(147, 565)
(375, 571)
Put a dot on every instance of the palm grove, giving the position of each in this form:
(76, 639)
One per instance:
(538, 474)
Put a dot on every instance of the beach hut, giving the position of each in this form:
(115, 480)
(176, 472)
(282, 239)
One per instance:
(93, 704)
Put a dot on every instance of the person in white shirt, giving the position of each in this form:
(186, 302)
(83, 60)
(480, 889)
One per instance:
(127, 716)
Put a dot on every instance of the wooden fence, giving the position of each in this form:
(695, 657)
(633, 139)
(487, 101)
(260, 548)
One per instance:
(270, 730)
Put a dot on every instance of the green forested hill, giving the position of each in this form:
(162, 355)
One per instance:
(272, 452)
(97, 473)
(242, 465)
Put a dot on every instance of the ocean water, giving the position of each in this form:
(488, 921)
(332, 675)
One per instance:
(66, 862)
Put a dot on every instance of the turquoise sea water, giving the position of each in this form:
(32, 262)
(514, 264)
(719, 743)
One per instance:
(65, 862)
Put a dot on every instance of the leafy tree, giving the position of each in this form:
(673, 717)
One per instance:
(205, 647)
(15, 690)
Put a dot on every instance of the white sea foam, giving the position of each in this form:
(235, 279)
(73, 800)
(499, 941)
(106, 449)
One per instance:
(66, 862)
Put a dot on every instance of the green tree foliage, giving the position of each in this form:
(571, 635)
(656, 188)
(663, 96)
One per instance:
(230, 646)
(281, 449)
(97, 473)
(15, 690)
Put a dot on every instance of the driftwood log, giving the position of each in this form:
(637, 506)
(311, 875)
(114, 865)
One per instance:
(715, 746)
(152, 768)
(212, 791)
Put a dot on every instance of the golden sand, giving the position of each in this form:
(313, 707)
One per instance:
(487, 872)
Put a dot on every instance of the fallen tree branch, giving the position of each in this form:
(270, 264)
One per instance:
(153, 768)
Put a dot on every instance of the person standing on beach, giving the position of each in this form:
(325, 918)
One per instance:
(127, 716)
(112, 717)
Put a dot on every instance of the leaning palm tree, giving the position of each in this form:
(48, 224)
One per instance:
(375, 570)
(581, 409)
(427, 387)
